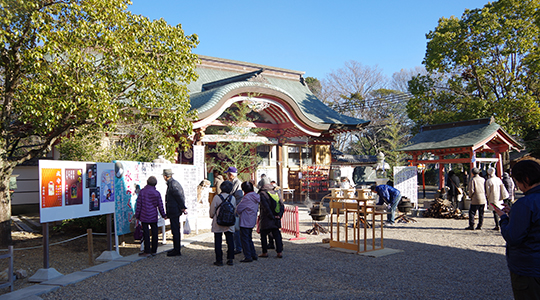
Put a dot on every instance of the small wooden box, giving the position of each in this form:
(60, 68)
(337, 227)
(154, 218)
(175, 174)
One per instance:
(364, 194)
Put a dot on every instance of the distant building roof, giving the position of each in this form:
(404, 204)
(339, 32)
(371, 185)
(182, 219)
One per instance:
(469, 134)
(349, 159)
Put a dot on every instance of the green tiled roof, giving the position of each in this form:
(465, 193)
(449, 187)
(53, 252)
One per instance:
(453, 135)
(313, 109)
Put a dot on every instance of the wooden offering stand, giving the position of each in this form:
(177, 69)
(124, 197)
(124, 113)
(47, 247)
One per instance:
(357, 207)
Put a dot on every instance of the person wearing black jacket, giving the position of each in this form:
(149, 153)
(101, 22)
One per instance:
(271, 212)
(175, 204)
(452, 183)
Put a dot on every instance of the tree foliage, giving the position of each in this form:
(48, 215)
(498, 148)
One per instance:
(241, 153)
(483, 64)
(135, 142)
(314, 86)
(65, 64)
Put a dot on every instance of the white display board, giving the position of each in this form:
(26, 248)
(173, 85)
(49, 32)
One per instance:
(406, 181)
(131, 176)
(72, 189)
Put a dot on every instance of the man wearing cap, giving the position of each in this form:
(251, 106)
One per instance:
(175, 204)
(477, 193)
(232, 175)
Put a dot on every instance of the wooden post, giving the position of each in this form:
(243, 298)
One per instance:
(90, 247)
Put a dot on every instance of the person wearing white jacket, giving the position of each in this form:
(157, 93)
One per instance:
(495, 193)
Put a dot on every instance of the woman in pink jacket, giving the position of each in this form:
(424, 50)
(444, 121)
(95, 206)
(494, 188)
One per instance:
(247, 212)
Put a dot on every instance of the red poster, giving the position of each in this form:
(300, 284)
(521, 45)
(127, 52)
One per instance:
(73, 191)
(51, 187)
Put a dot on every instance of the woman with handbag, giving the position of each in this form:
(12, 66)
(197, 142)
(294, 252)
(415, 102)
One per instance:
(145, 211)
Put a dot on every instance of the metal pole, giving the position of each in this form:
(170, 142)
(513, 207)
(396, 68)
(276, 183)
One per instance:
(424, 183)
(45, 229)
(109, 232)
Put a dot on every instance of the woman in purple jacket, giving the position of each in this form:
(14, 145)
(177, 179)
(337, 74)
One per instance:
(247, 212)
(145, 211)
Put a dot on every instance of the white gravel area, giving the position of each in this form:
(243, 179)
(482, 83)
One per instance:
(440, 260)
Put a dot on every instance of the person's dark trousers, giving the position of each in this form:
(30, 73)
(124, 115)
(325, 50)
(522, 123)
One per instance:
(454, 200)
(525, 287)
(218, 240)
(277, 238)
(472, 213)
(237, 241)
(175, 229)
(496, 217)
(271, 241)
(146, 235)
(247, 243)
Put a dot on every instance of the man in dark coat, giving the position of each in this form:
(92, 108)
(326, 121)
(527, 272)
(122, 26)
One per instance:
(175, 204)
(452, 182)
(272, 209)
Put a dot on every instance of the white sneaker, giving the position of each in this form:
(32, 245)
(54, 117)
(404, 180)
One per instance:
(387, 223)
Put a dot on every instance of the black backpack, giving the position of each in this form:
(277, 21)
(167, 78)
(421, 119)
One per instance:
(226, 215)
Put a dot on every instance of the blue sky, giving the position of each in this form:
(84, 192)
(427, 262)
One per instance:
(315, 36)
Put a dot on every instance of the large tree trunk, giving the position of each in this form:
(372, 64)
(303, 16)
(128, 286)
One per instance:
(5, 208)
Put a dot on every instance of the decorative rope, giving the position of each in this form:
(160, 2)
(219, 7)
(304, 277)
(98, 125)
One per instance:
(54, 244)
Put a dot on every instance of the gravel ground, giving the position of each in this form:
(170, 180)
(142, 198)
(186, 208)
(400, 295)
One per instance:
(440, 260)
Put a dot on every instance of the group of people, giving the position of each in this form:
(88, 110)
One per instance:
(490, 190)
(147, 207)
(238, 237)
(519, 221)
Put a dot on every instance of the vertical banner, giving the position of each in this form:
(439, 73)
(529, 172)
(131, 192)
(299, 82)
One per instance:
(126, 186)
(406, 181)
(198, 161)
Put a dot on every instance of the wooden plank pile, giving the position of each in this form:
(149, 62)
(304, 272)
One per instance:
(441, 208)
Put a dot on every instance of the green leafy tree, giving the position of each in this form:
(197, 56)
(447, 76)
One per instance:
(242, 153)
(395, 136)
(136, 142)
(483, 64)
(314, 86)
(65, 64)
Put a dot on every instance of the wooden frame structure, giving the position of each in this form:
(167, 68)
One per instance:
(357, 206)
(482, 140)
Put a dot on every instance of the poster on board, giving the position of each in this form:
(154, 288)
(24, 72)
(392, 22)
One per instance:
(406, 181)
(107, 186)
(51, 187)
(73, 192)
(64, 193)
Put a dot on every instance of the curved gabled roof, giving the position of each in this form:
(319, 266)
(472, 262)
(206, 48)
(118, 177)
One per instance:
(217, 88)
(471, 134)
